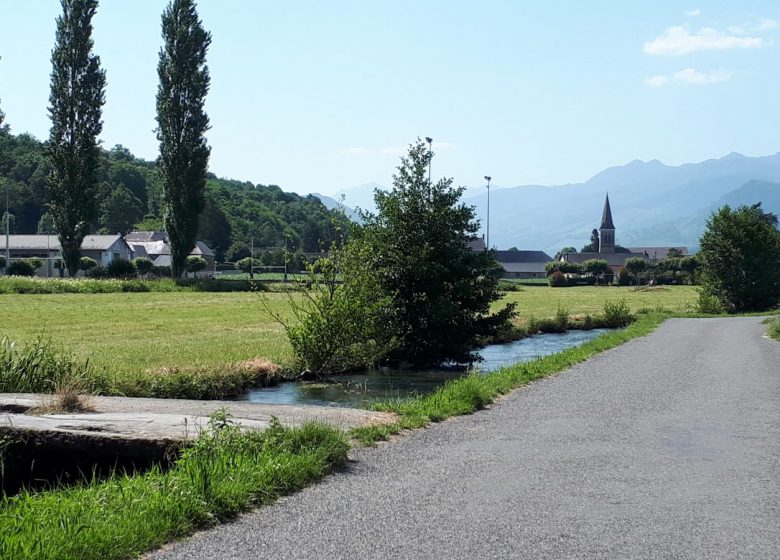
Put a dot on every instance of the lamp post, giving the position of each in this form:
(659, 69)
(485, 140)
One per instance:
(7, 229)
(430, 150)
(488, 213)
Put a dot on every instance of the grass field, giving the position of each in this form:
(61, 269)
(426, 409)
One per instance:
(132, 332)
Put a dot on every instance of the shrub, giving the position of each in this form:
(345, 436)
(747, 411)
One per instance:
(121, 268)
(245, 264)
(558, 280)
(20, 268)
(143, 265)
(195, 264)
(97, 273)
(708, 303)
(617, 314)
(87, 263)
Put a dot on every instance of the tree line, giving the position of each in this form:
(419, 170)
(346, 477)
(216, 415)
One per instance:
(70, 186)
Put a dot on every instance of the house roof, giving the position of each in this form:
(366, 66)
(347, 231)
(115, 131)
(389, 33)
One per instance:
(606, 216)
(477, 244)
(154, 249)
(522, 257)
(145, 236)
(658, 253)
(51, 242)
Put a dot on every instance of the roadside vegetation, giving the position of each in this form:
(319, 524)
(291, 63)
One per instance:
(223, 472)
(774, 328)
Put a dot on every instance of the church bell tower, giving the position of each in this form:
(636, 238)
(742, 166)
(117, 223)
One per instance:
(606, 230)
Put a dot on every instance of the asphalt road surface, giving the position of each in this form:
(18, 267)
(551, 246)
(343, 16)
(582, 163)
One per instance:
(666, 447)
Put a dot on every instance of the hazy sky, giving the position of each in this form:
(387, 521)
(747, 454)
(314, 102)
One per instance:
(321, 95)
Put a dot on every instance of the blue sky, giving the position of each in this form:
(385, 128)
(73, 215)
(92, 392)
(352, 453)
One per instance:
(318, 96)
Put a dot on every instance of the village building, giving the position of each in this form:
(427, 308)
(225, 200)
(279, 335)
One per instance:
(154, 246)
(608, 251)
(104, 249)
(523, 264)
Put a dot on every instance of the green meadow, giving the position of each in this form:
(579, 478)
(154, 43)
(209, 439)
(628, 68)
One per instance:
(132, 332)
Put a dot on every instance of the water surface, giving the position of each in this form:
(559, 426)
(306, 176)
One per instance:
(361, 389)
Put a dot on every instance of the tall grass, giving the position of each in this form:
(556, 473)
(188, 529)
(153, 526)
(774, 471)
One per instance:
(774, 328)
(224, 472)
(37, 367)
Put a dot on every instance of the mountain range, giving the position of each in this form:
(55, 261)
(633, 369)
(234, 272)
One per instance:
(653, 204)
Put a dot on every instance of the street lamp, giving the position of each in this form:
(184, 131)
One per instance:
(488, 212)
(430, 149)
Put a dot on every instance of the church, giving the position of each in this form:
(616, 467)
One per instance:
(616, 256)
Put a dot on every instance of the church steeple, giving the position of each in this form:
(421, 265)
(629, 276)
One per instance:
(606, 230)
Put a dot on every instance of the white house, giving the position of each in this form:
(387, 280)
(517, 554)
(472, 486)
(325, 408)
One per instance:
(103, 248)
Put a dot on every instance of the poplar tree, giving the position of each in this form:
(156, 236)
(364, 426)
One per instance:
(182, 124)
(78, 87)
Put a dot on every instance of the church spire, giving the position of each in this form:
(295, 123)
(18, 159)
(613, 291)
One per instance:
(606, 230)
(606, 216)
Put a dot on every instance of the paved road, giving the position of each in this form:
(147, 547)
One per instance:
(667, 447)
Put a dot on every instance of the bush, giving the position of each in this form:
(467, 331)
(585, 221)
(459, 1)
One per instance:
(121, 268)
(558, 280)
(20, 268)
(617, 314)
(143, 265)
(245, 264)
(708, 303)
(195, 264)
(87, 263)
(97, 273)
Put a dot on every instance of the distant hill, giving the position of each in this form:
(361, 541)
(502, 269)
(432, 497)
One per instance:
(652, 203)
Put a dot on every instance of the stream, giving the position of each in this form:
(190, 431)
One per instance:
(361, 389)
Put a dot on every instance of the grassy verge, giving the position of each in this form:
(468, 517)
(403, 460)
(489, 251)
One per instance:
(34, 285)
(223, 473)
(774, 328)
(471, 393)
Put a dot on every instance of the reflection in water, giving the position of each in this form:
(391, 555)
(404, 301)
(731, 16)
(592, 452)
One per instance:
(361, 389)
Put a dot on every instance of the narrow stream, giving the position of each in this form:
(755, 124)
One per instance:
(361, 389)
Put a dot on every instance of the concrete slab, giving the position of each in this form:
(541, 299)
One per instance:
(172, 420)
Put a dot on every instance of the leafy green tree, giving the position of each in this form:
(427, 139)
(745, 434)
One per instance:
(182, 125)
(75, 107)
(46, 225)
(87, 263)
(417, 244)
(593, 246)
(568, 249)
(674, 252)
(195, 264)
(341, 315)
(596, 267)
(740, 254)
(143, 265)
(635, 266)
(120, 211)
(10, 219)
(690, 266)
(247, 264)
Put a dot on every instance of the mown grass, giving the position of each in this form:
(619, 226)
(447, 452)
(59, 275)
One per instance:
(125, 334)
(223, 473)
(473, 392)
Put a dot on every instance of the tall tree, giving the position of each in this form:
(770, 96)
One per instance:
(75, 107)
(740, 253)
(441, 291)
(182, 125)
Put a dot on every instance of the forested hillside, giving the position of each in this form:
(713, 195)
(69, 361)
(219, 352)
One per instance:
(130, 195)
